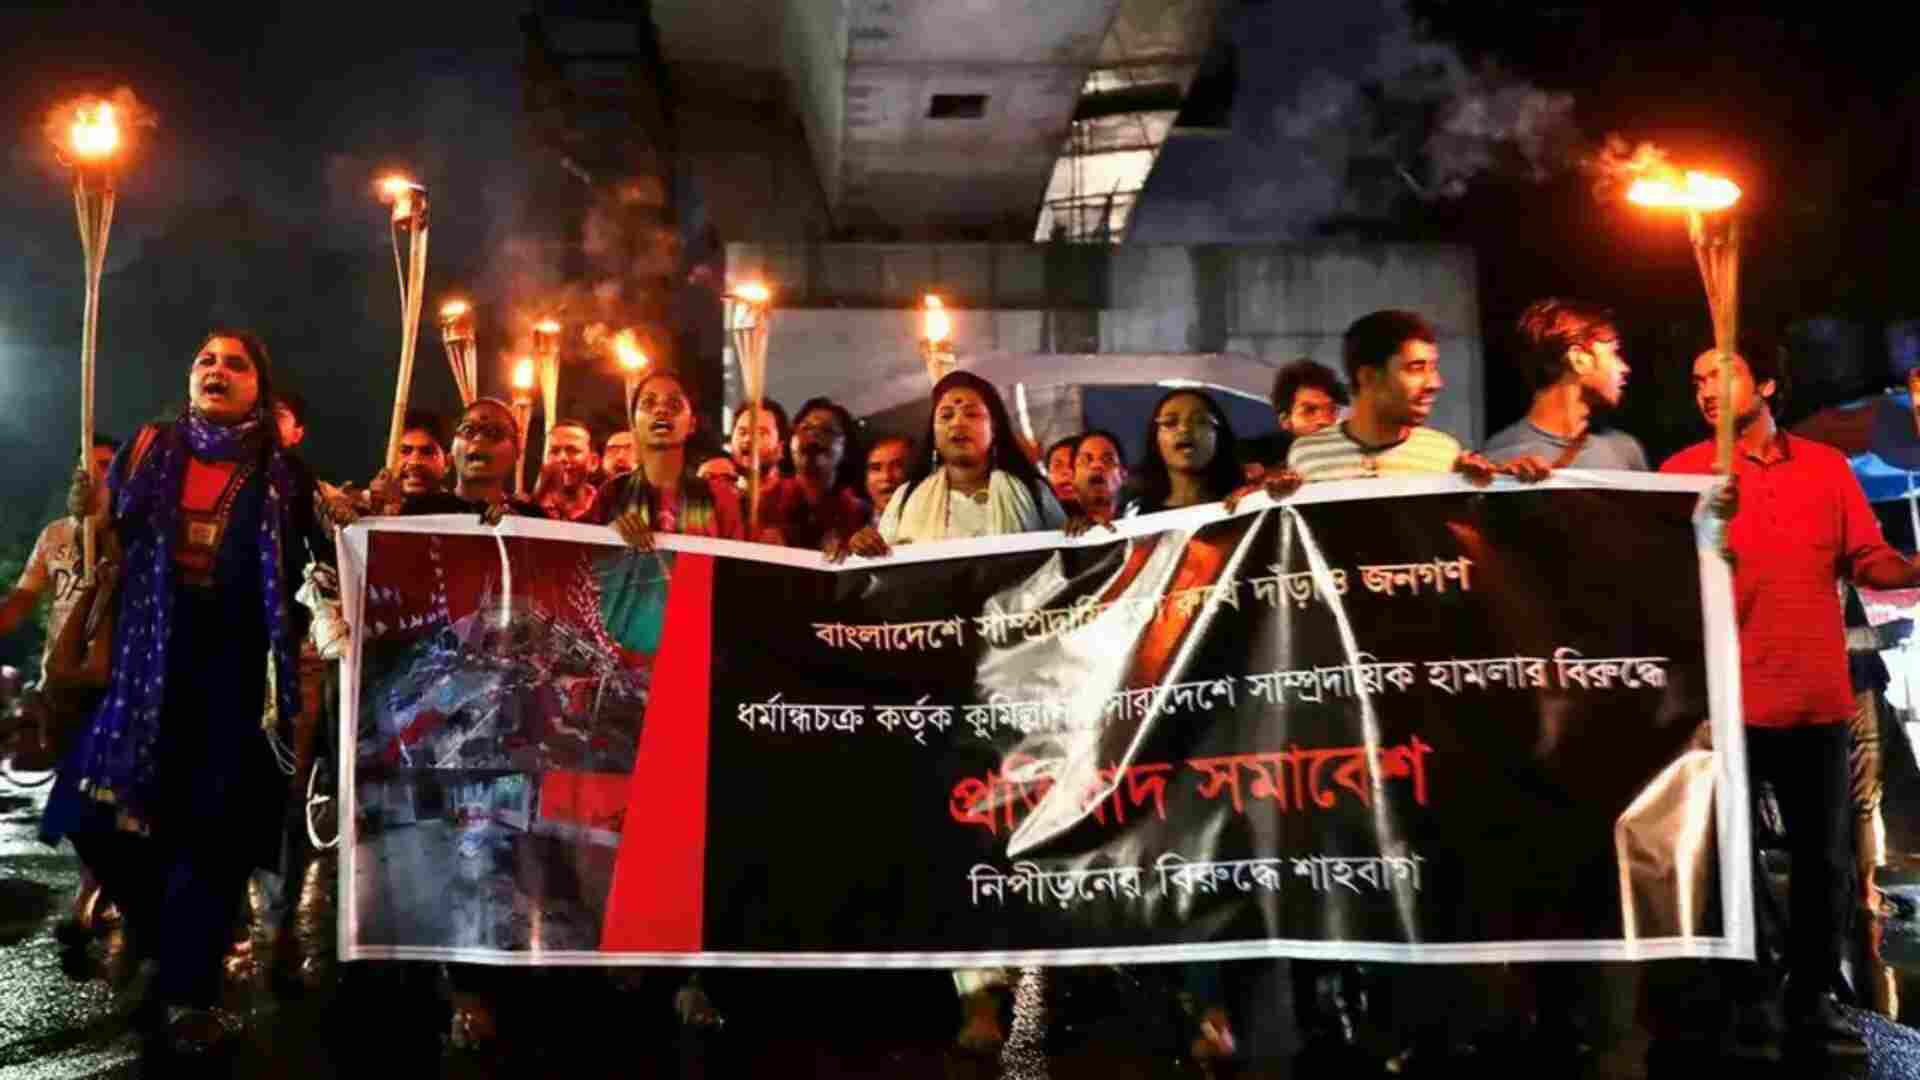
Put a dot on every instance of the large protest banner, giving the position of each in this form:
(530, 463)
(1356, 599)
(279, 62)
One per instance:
(1403, 720)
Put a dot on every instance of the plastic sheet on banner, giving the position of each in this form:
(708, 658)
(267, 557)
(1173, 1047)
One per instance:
(1664, 841)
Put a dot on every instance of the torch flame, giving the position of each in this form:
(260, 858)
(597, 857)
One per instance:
(96, 131)
(453, 309)
(523, 375)
(626, 346)
(753, 292)
(939, 326)
(1694, 191)
(547, 326)
(396, 187)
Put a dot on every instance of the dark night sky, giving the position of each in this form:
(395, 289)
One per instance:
(252, 203)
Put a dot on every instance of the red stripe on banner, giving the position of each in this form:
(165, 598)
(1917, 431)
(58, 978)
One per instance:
(659, 875)
(589, 799)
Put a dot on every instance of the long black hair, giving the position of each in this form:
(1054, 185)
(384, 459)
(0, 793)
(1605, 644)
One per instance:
(1222, 473)
(781, 426)
(852, 470)
(1005, 453)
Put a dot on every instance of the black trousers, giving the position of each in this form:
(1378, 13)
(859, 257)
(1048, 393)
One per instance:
(1807, 770)
(180, 901)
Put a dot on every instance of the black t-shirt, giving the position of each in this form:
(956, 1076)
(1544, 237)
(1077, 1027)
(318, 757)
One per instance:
(1269, 450)
(446, 502)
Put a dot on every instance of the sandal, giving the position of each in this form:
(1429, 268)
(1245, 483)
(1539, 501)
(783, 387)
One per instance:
(695, 1009)
(981, 1033)
(192, 1032)
(471, 1029)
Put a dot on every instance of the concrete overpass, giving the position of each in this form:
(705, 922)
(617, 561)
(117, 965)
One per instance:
(885, 119)
(862, 152)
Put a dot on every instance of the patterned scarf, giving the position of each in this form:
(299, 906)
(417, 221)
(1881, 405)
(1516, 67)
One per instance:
(694, 515)
(117, 757)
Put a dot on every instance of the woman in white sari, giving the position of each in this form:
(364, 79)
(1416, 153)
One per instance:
(969, 478)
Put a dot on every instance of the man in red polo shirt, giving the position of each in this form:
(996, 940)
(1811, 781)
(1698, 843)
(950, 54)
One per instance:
(1802, 525)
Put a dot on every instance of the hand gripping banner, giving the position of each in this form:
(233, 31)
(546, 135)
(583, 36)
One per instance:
(1402, 720)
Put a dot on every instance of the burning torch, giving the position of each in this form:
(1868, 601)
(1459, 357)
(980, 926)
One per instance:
(748, 311)
(409, 231)
(522, 415)
(633, 364)
(936, 340)
(456, 332)
(1715, 232)
(90, 136)
(546, 358)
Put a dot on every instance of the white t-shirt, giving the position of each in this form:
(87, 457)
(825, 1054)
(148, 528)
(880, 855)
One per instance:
(53, 571)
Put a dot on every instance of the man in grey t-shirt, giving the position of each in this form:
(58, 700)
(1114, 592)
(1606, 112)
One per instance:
(1570, 357)
(1602, 449)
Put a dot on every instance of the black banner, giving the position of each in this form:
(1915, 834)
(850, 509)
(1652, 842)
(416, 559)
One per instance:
(1406, 720)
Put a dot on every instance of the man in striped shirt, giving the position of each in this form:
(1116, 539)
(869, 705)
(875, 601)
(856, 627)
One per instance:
(1393, 365)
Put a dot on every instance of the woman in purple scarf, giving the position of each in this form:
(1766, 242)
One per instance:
(175, 790)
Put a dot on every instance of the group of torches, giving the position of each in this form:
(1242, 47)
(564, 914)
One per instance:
(92, 137)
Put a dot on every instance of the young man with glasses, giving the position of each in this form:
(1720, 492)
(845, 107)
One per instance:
(485, 447)
(1569, 354)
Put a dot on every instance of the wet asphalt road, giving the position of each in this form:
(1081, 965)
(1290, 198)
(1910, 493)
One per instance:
(59, 1021)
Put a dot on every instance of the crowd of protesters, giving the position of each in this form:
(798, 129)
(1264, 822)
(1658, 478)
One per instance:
(177, 788)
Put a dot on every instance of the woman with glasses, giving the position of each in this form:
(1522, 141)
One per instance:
(1191, 454)
(1191, 459)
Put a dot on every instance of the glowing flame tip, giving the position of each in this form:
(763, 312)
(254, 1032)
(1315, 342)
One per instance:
(96, 131)
(938, 324)
(626, 347)
(396, 187)
(753, 292)
(1692, 191)
(523, 375)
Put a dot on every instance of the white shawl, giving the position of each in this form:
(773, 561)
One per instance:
(922, 514)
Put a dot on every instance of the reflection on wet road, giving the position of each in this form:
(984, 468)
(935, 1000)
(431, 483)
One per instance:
(378, 1019)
